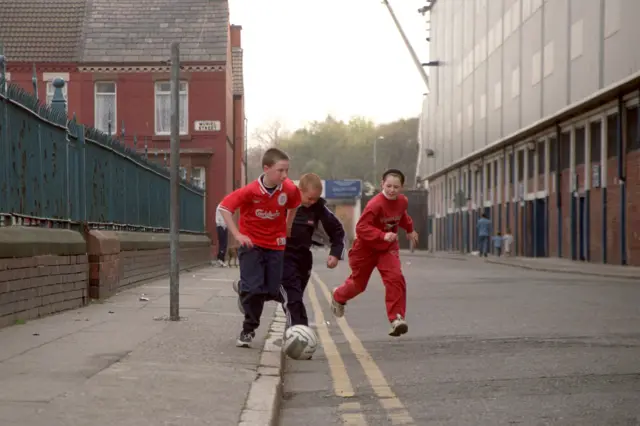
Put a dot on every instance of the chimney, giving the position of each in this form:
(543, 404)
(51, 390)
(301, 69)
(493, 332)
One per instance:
(236, 35)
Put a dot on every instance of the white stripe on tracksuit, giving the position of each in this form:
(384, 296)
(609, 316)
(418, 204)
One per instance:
(285, 307)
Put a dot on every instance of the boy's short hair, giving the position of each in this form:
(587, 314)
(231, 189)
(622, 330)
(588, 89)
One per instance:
(272, 156)
(394, 172)
(310, 181)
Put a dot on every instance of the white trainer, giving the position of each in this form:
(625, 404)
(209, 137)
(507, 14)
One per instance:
(398, 327)
(336, 308)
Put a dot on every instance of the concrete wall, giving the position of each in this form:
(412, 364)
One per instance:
(44, 271)
(508, 63)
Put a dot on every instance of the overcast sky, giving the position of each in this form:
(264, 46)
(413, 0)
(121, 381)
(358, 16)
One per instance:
(305, 59)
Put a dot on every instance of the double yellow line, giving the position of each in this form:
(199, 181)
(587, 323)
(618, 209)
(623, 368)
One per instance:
(352, 411)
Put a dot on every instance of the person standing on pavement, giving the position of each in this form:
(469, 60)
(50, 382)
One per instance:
(484, 231)
(221, 230)
(497, 244)
(507, 239)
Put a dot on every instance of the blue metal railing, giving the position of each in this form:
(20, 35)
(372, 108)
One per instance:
(55, 170)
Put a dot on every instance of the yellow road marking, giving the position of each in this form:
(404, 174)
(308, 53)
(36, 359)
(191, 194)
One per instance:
(341, 383)
(388, 399)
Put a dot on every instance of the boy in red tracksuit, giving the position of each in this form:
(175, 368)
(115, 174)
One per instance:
(376, 246)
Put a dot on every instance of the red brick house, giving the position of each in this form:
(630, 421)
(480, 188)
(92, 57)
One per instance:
(113, 56)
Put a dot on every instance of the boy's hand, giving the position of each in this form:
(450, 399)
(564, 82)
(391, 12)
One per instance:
(332, 262)
(244, 241)
(413, 238)
(390, 236)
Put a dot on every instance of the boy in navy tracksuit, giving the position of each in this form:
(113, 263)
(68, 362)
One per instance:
(298, 260)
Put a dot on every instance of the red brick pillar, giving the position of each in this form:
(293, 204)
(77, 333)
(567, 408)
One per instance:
(104, 264)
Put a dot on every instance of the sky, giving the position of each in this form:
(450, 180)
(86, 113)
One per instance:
(305, 59)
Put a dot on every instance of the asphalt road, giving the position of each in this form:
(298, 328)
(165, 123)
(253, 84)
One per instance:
(487, 345)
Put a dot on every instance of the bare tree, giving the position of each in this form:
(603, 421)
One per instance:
(270, 135)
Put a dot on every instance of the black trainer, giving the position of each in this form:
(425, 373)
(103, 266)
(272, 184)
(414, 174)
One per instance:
(245, 339)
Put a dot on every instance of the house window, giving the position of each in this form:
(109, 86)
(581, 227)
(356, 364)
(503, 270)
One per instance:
(183, 173)
(198, 177)
(548, 59)
(163, 108)
(105, 107)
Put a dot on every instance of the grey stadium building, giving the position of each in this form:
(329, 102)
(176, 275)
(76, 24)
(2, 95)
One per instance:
(532, 118)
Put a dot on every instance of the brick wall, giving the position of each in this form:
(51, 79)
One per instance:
(44, 271)
(141, 265)
(633, 207)
(32, 287)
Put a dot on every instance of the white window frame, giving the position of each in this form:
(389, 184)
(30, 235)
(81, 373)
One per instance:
(201, 180)
(184, 130)
(7, 76)
(577, 39)
(536, 68)
(612, 17)
(183, 173)
(548, 59)
(114, 119)
(515, 83)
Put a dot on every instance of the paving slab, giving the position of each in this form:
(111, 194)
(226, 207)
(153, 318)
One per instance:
(122, 363)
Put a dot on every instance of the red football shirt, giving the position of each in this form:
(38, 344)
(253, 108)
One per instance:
(263, 215)
(382, 215)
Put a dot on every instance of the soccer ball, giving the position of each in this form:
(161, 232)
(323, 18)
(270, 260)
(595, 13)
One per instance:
(300, 342)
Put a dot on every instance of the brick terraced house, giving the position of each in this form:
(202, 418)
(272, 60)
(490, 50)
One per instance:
(114, 57)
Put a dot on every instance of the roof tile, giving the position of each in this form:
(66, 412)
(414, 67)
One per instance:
(120, 31)
(41, 30)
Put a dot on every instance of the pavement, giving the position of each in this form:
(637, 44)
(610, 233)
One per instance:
(543, 264)
(487, 345)
(122, 363)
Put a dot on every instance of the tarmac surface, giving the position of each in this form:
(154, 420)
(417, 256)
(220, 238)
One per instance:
(487, 345)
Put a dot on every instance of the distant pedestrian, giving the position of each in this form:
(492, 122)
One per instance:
(497, 244)
(221, 230)
(507, 240)
(484, 232)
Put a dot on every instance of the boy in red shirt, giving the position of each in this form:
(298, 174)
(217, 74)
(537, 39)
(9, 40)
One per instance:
(267, 209)
(376, 246)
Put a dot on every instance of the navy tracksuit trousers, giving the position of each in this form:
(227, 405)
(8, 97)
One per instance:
(260, 281)
(295, 277)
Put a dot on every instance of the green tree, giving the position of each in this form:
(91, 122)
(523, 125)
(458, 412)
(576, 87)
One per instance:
(336, 149)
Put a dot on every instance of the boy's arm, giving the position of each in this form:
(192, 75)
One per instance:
(335, 230)
(229, 204)
(293, 202)
(406, 222)
(291, 215)
(365, 229)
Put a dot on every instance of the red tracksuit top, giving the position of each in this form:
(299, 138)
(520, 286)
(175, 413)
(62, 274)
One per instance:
(263, 215)
(382, 215)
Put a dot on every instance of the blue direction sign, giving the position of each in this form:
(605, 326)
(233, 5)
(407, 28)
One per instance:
(348, 188)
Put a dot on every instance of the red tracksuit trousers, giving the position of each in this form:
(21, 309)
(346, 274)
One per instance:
(362, 261)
